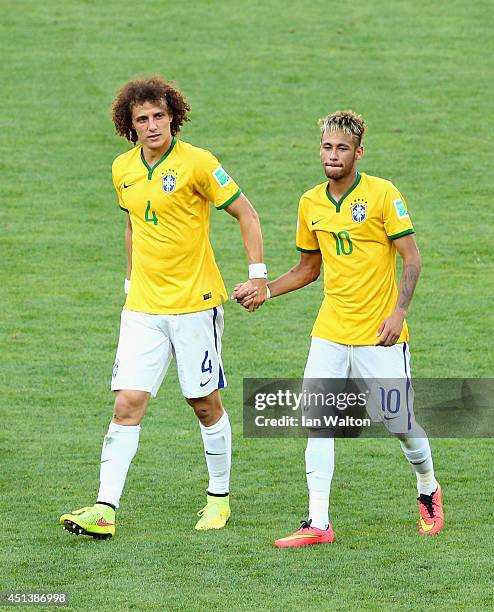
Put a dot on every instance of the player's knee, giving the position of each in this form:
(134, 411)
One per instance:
(207, 409)
(203, 413)
(130, 407)
(202, 409)
(411, 435)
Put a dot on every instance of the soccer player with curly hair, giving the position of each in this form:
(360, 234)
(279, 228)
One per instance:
(174, 292)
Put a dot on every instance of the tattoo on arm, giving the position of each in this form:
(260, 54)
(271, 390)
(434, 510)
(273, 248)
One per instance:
(408, 283)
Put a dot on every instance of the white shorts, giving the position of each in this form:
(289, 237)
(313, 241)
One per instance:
(148, 342)
(386, 370)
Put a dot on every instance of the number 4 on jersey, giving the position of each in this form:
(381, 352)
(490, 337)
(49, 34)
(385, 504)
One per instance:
(151, 218)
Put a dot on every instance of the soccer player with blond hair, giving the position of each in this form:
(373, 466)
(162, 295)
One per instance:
(353, 225)
(175, 293)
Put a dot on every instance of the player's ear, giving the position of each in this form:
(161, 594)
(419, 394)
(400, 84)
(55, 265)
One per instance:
(359, 152)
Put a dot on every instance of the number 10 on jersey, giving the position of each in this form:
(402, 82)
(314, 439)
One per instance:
(344, 244)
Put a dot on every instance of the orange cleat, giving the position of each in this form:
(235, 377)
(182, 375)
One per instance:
(307, 535)
(431, 519)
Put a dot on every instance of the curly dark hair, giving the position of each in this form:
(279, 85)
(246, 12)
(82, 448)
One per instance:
(153, 89)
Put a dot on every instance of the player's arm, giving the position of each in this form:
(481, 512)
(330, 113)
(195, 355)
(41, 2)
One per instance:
(304, 273)
(128, 248)
(390, 329)
(250, 228)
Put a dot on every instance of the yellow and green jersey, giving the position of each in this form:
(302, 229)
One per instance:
(355, 236)
(173, 266)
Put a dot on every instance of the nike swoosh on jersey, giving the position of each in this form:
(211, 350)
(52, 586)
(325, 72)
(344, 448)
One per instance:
(126, 186)
(425, 526)
(204, 384)
(314, 222)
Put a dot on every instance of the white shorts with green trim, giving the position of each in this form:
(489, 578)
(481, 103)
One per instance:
(148, 342)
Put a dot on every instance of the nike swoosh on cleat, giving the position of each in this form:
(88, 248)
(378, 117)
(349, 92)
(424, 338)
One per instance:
(425, 526)
(204, 384)
(299, 537)
(102, 523)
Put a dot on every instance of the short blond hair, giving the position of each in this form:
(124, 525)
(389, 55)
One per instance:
(346, 121)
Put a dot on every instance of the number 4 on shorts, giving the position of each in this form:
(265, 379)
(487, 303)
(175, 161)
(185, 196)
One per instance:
(207, 367)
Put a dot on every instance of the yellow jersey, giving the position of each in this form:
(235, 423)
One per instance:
(173, 266)
(355, 237)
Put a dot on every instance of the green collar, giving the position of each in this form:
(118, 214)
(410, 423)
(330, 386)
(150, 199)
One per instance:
(348, 192)
(167, 153)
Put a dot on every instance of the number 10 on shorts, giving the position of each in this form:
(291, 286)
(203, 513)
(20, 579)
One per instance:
(390, 401)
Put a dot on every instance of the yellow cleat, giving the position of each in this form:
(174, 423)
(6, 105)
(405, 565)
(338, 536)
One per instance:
(97, 521)
(215, 513)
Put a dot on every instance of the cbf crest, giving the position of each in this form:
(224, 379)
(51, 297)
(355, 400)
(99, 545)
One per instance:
(169, 182)
(359, 212)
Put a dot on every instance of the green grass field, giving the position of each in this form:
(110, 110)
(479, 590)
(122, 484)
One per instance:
(258, 76)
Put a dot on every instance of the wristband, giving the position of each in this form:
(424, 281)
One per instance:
(268, 293)
(126, 286)
(258, 270)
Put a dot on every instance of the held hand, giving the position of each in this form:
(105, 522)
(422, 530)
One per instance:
(243, 291)
(243, 294)
(251, 294)
(236, 290)
(390, 329)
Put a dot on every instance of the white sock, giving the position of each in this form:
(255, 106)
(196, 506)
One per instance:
(119, 448)
(217, 441)
(319, 468)
(418, 453)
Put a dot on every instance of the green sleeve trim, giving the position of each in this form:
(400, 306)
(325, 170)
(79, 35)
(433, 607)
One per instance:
(308, 250)
(122, 208)
(228, 202)
(405, 233)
